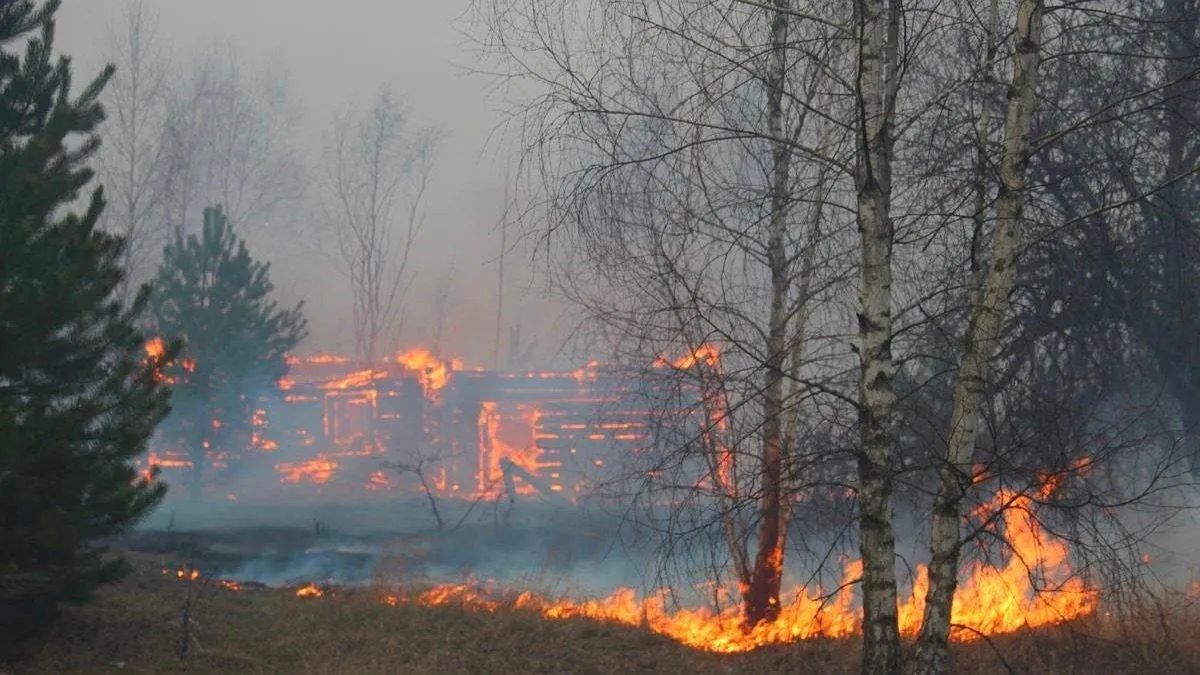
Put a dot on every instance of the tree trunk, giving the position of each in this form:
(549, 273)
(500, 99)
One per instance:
(198, 453)
(983, 134)
(982, 342)
(762, 596)
(878, 25)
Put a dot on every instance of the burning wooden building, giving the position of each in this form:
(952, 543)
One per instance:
(335, 427)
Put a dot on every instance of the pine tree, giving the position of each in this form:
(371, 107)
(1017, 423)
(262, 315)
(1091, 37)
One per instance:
(210, 293)
(78, 397)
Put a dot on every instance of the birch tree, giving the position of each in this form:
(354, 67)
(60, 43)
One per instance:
(378, 168)
(709, 156)
(687, 152)
(132, 159)
(982, 342)
(878, 26)
(230, 140)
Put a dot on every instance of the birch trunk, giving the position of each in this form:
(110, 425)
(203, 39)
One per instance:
(762, 596)
(878, 24)
(982, 151)
(982, 342)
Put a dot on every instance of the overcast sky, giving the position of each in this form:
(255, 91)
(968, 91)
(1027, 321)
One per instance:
(336, 53)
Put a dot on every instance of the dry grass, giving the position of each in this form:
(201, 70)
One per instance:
(134, 627)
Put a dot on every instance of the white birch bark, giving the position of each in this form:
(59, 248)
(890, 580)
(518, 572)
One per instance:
(982, 342)
(878, 72)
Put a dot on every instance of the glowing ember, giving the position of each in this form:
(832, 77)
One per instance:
(170, 459)
(317, 471)
(183, 574)
(378, 480)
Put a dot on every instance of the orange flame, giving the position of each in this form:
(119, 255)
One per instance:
(316, 359)
(188, 574)
(994, 600)
(310, 591)
(171, 459)
(156, 348)
(707, 353)
(503, 438)
(378, 480)
(317, 471)
(432, 372)
(156, 351)
(359, 378)
(989, 600)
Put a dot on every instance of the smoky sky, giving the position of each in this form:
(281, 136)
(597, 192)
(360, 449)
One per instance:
(341, 53)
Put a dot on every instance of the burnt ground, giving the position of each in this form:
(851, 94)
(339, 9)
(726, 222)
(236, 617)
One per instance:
(540, 546)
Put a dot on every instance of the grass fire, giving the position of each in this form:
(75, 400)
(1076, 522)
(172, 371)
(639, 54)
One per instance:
(557, 440)
(669, 336)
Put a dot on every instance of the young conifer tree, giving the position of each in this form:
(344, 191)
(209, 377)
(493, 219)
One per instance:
(214, 296)
(79, 398)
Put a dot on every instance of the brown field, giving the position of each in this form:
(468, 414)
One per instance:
(134, 627)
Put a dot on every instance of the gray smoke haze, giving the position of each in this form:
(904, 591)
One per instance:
(335, 56)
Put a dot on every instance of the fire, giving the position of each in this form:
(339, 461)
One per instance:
(994, 600)
(156, 351)
(587, 373)
(191, 574)
(156, 348)
(359, 378)
(316, 359)
(171, 459)
(378, 480)
(706, 353)
(465, 595)
(432, 372)
(310, 591)
(317, 471)
(501, 437)
(990, 600)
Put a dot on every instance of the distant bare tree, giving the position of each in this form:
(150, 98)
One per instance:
(378, 167)
(521, 349)
(132, 157)
(228, 141)
(444, 303)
